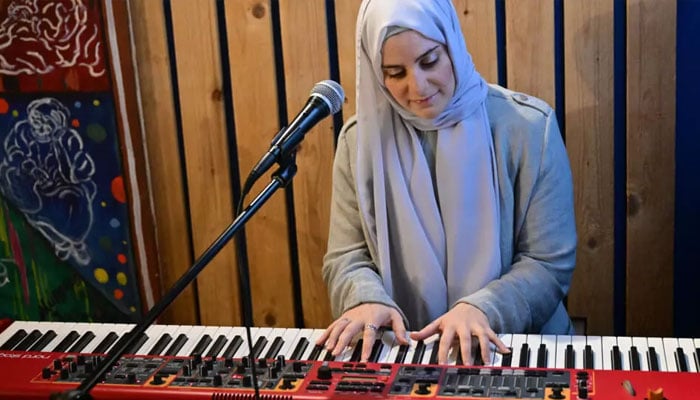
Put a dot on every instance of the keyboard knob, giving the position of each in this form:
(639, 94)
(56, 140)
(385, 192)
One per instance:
(325, 373)
(46, 373)
(217, 381)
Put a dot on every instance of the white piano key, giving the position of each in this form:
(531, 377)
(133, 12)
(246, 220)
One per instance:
(393, 352)
(153, 333)
(658, 345)
(101, 331)
(496, 357)
(560, 354)
(608, 342)
(244, 350)
(596, 343)
(193, 336)
(624, 343)
(410, 352)
(517, 344)
(181, 330)
(670, 346)
(688, 347)
(429, 345)
(696, 343)
(120, 329)
(533, 342)
(58, 327)
(388, 344)
(304, 333)
(578, 342)
(643, 349)
(15, 327)
(211, 331)
(550, 342)
(315, 334)
(289, 338)
(273, 335)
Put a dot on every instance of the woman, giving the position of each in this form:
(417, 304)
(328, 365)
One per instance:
(452, 206)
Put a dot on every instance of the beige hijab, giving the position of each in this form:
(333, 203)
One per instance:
(430, 252)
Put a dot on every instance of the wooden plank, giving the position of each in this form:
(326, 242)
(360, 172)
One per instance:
(305, 63)
(589, 71)
(251, 50)
(195, 29)
(160, 135)
(651, 79)
(478, 20)
(346, 25)
(530, 48)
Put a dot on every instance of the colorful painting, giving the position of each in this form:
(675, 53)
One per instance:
(65, 236)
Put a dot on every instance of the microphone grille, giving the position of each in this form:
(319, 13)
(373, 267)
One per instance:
(331, 92)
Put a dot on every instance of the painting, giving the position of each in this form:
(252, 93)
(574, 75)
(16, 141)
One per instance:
(66, 248)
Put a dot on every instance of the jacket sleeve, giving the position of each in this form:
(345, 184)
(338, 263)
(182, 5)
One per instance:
(348, 269)
(525, 298)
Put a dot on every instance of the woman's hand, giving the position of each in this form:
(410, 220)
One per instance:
(461, 323)
(366, 318)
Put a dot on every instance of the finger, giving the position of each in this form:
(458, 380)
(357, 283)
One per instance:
(500, 346)
(368, 337)
(330, 336)
(399, 329)
(485, 343)
(345, 337)
(445, 345)
(429, 330)
(465, 347)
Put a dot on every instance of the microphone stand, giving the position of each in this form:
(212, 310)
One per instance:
(280, 178)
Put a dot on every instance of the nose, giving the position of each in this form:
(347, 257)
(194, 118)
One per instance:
(417, 83)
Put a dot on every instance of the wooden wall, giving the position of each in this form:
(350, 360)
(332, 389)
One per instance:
(219, 78)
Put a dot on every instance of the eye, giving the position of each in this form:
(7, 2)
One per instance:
(430, 60)
(394, 73)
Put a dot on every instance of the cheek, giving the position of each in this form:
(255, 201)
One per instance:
(394, 89)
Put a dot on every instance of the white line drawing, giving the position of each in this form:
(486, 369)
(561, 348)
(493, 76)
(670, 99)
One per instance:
(38, 36)
(46, 173)
(4, 278)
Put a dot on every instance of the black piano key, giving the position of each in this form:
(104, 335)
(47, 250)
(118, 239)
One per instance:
(588, 357)
(401, 354)
(653, 359)
(45, 339)
(217, 346)
(14, 340)
(478, 360)
(507, 358)
(82, 342)
(681, 362)
(67, 342)
(202, 345)
(313, 356)
(28, 341)
(697, 358)
(542, 356)
(275, 347)
(330, 357)
(357, 351)
(376, 350)
(232, 347)
(434, 353)
(616, 358)
(299, 349)
(524, 356)
(137, 345)
(177, 345)
(160, 345)
(258, 347)
(569, 357)
(635, 364)
(459, 360)
(106, 343)
(418, 353)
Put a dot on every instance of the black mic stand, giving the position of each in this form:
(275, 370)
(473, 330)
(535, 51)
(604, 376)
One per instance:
(280, 178)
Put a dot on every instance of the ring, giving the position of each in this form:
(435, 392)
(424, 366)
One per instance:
(372, 327)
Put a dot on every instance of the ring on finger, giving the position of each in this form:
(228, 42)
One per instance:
(372, 327)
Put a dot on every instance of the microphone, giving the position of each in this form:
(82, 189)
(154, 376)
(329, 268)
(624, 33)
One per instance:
(326, 98)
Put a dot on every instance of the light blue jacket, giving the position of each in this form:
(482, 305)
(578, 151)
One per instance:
(538, 230)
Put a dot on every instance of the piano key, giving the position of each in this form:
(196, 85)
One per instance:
(430, 344)
(205, 341)
(289, 340)
(562, 341)
(616, 358)
(596, 354)
(300, 345)
(179, 342)
(390, 349)
(193, 334)
(314, 351)
(578, 342)
(233, 346)
(640, 343)
(108, 336)
(67, 341)
(84, 340)
(608, 342)
(669, 352)
(433, 359)
(533, 342)
(624, 344)
(14, 340)
(696, 343)
(28, 340)
(45, 339)
(154, 333)
(688, 347)
(517, 343)
(161, 344)
(655, 355)
(497, 358)
(278, 341)
(635, 364)
(550, 343)
(244, 349)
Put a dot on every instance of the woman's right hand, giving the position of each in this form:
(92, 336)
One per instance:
(366, 318)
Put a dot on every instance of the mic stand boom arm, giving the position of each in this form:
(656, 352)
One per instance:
(280, 178)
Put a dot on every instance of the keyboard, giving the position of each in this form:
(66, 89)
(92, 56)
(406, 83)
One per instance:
(528, 351)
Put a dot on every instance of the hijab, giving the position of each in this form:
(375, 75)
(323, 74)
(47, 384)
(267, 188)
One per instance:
(431, 251)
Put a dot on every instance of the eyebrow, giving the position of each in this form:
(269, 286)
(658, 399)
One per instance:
(417, 58)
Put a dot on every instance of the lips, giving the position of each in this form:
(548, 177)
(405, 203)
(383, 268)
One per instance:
(425, 100)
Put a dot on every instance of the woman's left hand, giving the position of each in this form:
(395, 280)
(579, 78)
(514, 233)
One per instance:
(463, 322)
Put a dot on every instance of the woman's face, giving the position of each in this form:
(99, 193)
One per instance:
(418, 73)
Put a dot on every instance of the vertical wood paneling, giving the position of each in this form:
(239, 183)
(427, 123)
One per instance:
(160, 134)
(251, 51)
(207, 160)
(651, 78)
(478, 20)
(530, 48)
(589, 67)
(305, 63)
(345, 21)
